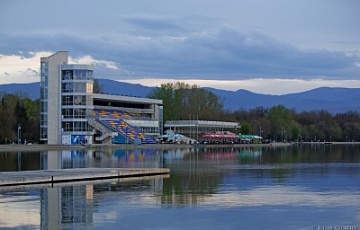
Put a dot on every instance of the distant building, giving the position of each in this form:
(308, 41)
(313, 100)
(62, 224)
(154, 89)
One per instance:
(250, 138)
(70, 113)
(195, 128)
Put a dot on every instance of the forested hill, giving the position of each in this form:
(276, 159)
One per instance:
(333, 100)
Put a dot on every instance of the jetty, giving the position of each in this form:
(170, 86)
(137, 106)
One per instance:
(79, 175)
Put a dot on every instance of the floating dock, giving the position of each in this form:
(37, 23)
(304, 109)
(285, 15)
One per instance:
(23, 178)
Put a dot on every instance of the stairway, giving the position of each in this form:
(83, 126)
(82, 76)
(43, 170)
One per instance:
(114, 121)
(107, 133)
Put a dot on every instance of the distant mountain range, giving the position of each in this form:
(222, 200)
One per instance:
(333, 100)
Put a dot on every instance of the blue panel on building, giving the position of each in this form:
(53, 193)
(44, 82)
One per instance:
(78, 140)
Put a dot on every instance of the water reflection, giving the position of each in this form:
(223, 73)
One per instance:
(73, 204)
(65, 206)
(19, 209)
(229, 185)
(283, 195)
(107, 158)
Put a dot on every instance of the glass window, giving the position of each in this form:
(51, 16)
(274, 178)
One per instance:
(43, 117)
(79, 87)
(67, 126)
(83, 74)
(46, 80)
(67, 87)
(89, 75)
(80, 126)
(79, 113)
(67, 113)
(77, 74)
(67, 100)
(80, 74)
(42, 93)
(79, 100)
(44, 106)
(43, 133)
(83, 100)
(67, 75)
(42, 67)
(77, 126)
(89, 87)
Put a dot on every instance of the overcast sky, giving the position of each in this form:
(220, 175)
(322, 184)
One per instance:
(269, 46)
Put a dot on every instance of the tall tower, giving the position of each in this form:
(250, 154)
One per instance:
(65, 99)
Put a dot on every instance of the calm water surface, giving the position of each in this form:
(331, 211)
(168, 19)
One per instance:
(298, 187)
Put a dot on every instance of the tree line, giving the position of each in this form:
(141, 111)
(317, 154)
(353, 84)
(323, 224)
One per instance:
(18, 111)
(282, 124)
(182, 101)
(19, 115)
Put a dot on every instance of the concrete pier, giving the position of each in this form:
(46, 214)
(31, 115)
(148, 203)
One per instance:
(21, 178)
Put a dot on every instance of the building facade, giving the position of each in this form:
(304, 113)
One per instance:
(64, 98)
(71, 113)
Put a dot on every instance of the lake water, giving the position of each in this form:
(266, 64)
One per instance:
(299, 187)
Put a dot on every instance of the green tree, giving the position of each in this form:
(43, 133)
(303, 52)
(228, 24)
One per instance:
(15, 110)
(170, 97)
(245, 128)
(281, 121)
(31, 122)
(334, 132)
(182, 101)
(8, 120)
(347, 122)
(295, 131)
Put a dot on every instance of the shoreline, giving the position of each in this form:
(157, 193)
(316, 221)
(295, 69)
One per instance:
(44, 147)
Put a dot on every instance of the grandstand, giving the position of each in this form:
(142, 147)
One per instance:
(115, 121)
(125, 119)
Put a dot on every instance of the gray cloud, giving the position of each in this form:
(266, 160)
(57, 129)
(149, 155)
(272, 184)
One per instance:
(215, 54)
(193, 39)
(152, 23)
(31, 72)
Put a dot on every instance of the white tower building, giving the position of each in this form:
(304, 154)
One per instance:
(65, 99)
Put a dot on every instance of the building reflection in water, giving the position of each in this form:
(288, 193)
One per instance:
(75, 204)
(63, 205)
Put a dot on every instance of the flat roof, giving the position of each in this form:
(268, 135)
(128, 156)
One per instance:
(201, 123)
(115, 97)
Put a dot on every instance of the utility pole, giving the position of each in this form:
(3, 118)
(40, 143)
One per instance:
(197, 127)
(19, 134)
